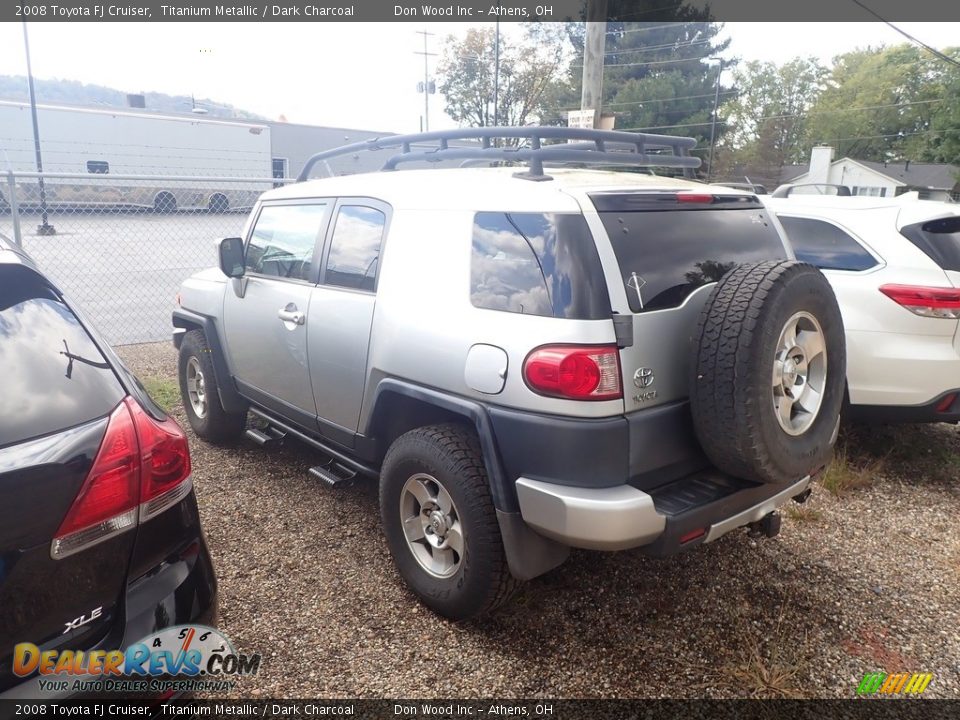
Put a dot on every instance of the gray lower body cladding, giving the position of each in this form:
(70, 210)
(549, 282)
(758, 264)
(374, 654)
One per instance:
(630, 481)
(646, 449)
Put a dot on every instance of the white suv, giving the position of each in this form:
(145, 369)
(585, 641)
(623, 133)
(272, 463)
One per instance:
(894, 264)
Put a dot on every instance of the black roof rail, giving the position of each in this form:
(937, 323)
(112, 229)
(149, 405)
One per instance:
(787, 189)
(593, 151)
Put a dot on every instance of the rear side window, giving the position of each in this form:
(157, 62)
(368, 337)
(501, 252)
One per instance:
(667, 249)
(537, 264)
(354, 254)
(825, 246)
(54, 377)
(940, 239)
(284, 240)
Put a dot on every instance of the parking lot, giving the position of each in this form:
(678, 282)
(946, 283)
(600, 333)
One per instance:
(124, 269)
(861, 579)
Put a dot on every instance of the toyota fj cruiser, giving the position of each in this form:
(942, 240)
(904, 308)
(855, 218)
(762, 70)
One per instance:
(530, 359)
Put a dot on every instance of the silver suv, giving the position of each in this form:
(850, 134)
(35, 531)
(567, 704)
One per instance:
(528, 360)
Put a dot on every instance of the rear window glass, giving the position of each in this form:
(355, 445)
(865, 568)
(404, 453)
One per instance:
(825, 245)
(54, 377)
(537, 264)
(665, 253)
(940, 239)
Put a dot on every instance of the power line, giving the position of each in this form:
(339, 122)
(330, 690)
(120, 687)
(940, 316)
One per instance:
(797, 115)
(900, 134)
(652, 62)
(653, 100)
(648, 29)
(665, 46)
(850, 109)
(911, 38)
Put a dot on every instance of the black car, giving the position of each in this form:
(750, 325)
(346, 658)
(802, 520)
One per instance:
(100, 538)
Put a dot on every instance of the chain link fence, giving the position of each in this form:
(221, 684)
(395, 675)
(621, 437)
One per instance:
(120, 245)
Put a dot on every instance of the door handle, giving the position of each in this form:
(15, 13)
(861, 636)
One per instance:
(294, 316)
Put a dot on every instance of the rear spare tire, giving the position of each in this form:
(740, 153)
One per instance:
(768, 371)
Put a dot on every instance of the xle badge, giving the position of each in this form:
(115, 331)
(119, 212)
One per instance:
(83, 620)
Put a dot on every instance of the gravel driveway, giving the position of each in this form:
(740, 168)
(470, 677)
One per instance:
(861, 583)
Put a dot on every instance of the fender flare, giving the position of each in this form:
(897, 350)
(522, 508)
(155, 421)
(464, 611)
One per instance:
(528, 553)
(186, 320)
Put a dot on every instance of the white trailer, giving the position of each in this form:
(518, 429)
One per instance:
(100, 143)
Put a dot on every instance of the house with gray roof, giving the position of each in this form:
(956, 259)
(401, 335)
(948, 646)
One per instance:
(933, 181)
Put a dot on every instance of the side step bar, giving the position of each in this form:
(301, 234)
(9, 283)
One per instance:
(338, 457)
(334, 474)
(268, 436)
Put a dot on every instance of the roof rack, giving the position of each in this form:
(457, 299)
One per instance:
(594, 151)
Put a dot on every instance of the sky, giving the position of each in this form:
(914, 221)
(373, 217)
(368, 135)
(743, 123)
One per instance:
(352, 75)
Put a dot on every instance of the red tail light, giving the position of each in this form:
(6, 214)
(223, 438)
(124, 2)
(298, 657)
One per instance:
(576, 372)
(141, 469)
(112, 487)
(935, 302)
(945, 404)
(164, 452)
(703, 198)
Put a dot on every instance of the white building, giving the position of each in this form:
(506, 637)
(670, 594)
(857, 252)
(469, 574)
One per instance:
(933, 181)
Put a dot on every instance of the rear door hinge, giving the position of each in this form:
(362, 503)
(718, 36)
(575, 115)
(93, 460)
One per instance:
(623, 330)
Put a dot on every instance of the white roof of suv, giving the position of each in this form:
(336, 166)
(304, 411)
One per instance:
(481, 188)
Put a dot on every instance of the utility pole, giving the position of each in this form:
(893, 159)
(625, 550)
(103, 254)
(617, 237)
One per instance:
(713, 119)
(496, 77)
(591, 94)
(426, 78)
(45, 228)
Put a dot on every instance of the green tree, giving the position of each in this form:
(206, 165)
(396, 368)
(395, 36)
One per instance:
(941, 143)
(659, 75)
(533, 72)
(879, 104)
(766, 123)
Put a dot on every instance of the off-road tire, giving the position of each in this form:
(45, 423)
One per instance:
(217, 425)
(734, 350)
(452, 455)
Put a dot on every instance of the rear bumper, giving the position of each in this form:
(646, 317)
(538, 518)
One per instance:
(182, 590)
(662, 521)
(943, 408)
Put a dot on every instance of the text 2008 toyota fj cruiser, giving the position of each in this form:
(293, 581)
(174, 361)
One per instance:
(528, 359)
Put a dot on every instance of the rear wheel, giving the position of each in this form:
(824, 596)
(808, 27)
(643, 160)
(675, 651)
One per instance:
(440, 522)
(769, 371)
(201, 397)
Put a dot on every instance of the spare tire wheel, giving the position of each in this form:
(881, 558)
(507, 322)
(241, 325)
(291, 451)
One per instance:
(768, 372)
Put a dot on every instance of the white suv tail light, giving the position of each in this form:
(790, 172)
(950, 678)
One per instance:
(933, 302)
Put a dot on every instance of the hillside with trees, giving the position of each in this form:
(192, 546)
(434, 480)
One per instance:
(71, 92)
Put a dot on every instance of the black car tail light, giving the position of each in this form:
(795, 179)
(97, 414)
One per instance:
(141, 469)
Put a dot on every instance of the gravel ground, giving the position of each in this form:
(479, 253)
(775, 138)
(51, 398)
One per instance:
(862, 583)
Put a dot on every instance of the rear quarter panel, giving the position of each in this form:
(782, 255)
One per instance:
(424, 324)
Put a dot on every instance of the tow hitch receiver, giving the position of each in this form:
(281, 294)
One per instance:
(768, 526)
(802, 497)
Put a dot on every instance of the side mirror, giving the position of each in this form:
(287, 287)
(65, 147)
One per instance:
(231, 257)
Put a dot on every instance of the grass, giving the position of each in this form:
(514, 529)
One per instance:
(803, 513)
(850, 471)
(909, 452)
(164, 391)
(766, 667)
